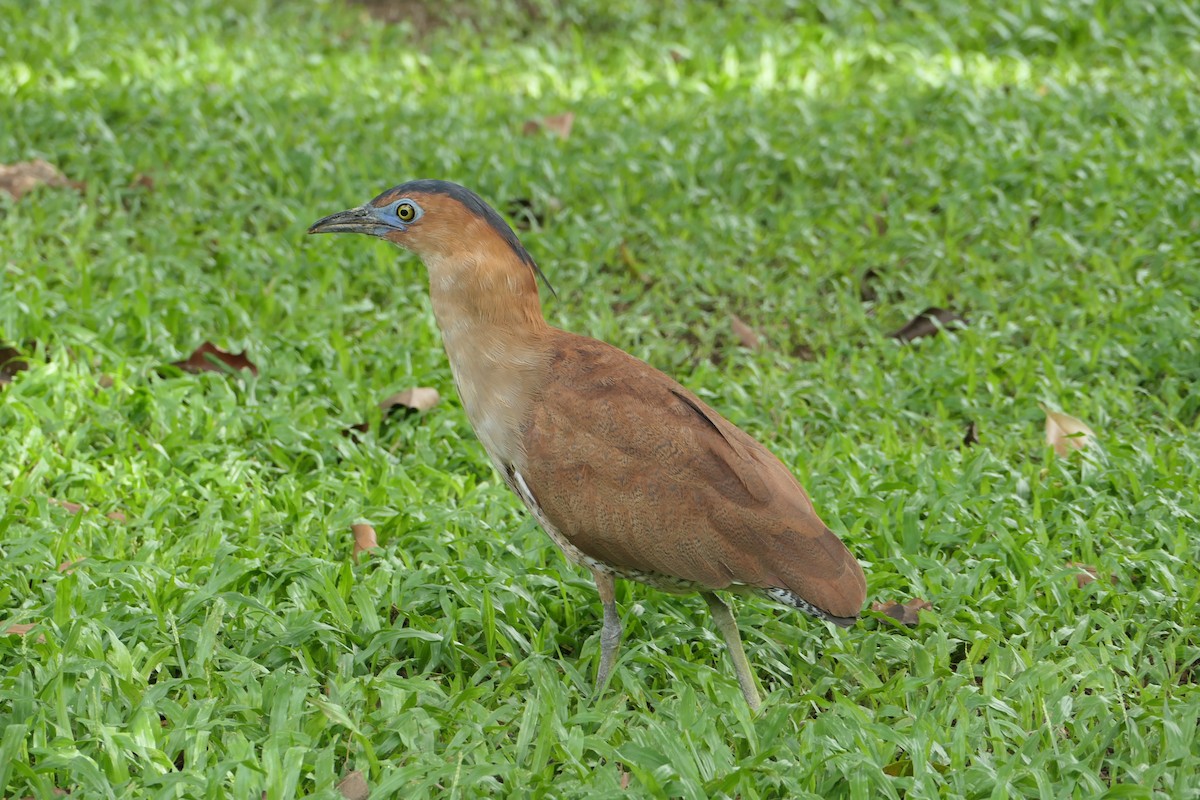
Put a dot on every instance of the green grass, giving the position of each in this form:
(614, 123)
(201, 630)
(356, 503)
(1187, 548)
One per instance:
(1031, 167)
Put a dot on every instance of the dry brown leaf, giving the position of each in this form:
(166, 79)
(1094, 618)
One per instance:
(21, 178)
(928, 323)
(1065, 433)
(22, 629)
(971, 437)
(419, 398)
(364, 538)
(10, 363)
(76, 508)
(67, 505)
(354, 786)
(1087, 574)
(744, 332)
(559, 124)
(904, 613)
(210, 358)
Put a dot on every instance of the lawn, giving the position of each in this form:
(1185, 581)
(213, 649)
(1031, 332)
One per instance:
(181, 543)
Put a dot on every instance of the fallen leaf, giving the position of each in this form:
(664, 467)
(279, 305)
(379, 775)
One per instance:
(1065, 433)
(420, 398)
(417, 399)
(21, 178)
(1087, 574)
(10, 363)
(364, 538)
(928, 323)
(76, 508)
(559, 124)
(210, 358)
(904, 613)
(971, 437)
(354, 786)
(744, 332)
(23, 628)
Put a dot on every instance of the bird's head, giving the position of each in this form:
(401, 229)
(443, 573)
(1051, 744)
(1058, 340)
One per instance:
(447, 225)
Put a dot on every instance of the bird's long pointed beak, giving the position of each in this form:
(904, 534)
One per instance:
(365, 219)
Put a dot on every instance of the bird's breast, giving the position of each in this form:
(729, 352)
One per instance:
(496, 379)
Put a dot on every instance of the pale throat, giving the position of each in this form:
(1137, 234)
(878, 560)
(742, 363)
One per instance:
(490, 329)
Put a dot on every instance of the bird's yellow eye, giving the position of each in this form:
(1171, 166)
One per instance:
(407, 212)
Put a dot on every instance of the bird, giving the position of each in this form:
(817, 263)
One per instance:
(631, 474)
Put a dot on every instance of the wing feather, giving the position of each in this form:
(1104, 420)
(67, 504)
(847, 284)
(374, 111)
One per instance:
(639, 473)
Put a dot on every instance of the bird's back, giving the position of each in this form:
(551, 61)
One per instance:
(642, 476)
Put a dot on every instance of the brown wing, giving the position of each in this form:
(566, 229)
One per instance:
(638, 472)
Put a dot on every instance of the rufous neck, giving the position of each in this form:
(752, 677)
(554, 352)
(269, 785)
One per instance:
(485, 297)
(494, 334)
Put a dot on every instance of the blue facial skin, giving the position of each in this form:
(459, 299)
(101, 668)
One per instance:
(369, 219)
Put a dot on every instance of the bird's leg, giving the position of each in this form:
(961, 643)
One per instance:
(610, 635)
(733, 640)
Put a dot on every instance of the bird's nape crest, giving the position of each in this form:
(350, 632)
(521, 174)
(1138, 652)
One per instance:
(479, 207)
